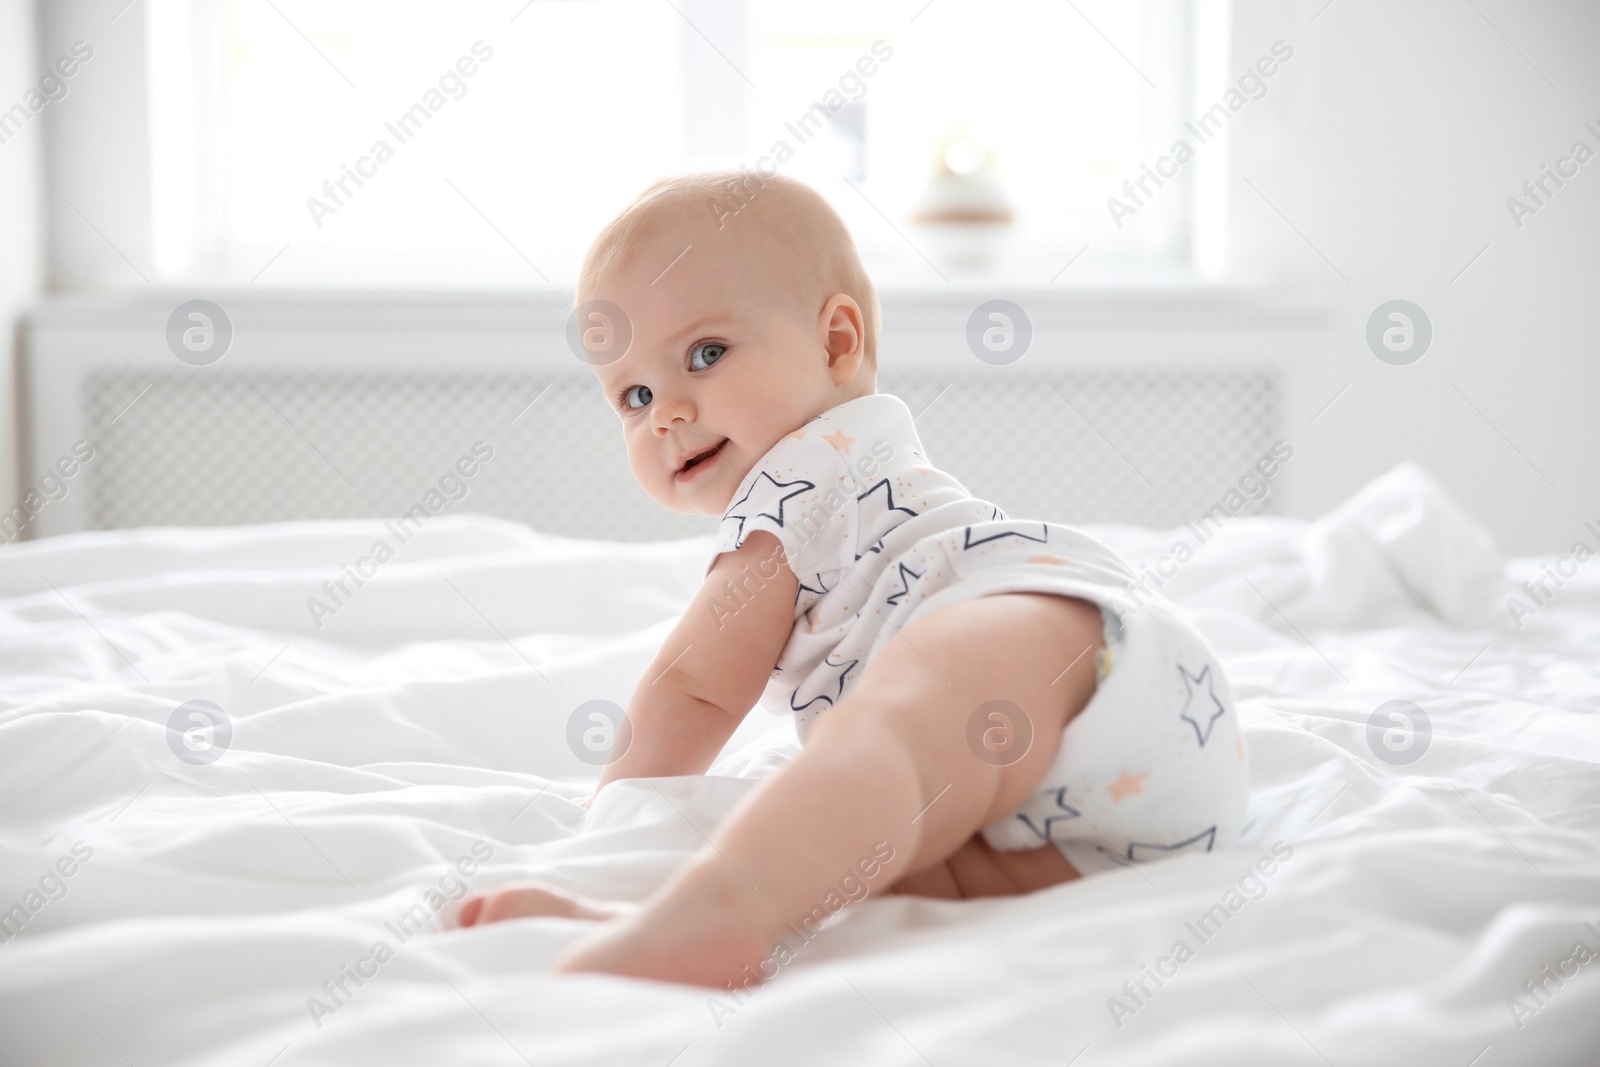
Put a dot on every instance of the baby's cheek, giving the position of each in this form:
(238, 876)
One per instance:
(643, 472)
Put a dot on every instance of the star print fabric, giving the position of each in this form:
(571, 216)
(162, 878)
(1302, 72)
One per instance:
(1152, 767)
(878, 537)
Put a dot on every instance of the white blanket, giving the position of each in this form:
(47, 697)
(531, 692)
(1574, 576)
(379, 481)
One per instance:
(215, 911)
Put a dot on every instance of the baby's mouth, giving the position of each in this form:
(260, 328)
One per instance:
(701, 457)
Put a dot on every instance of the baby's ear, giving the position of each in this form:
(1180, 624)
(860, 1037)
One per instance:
(844, 336)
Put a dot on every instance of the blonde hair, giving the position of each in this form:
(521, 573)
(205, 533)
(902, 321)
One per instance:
(811, 236)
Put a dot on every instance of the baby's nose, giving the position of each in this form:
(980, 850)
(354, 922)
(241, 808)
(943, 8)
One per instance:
(668, 411)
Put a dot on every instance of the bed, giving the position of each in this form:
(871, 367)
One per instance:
(234, 825)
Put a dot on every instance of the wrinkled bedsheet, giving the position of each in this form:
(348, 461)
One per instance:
(276, 885)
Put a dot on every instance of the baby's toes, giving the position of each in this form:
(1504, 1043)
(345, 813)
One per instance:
(471, 908)
(516, 902)
(525, 901)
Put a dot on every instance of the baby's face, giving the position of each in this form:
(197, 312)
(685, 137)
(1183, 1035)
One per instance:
(725, 360)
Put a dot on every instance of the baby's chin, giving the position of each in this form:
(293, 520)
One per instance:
(710, 500)
(714, 500)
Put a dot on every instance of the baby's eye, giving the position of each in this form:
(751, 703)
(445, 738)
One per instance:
(636, 396)
(703, 355)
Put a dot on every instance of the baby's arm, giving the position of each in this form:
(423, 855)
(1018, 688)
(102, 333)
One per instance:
(713, 666)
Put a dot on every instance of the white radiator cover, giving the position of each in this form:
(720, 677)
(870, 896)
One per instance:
(1138, 408)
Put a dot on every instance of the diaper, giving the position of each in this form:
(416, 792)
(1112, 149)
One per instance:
(1153, 766)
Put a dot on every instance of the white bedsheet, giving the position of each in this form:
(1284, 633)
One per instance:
(429, 716)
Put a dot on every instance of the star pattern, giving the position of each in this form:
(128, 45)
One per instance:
(905, 583)
(869, 519)
(819, 588)
(843, 669)
(1044, 535)
(1115, 857)
(888, 504)
(766, 492)
(1207, 837)
(1068, 814)
(1203, 707)
(877, 546)
(1127, 785)
(1052, 813)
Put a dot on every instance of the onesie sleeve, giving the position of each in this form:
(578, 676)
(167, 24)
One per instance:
(798, 492)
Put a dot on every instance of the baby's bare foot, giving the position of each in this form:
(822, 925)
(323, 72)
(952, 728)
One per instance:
(704, 931)
(526, 901)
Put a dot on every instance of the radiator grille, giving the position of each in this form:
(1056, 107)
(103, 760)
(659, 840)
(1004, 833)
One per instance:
(1152, 447)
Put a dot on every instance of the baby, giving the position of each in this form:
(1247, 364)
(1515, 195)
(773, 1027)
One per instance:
(985, 709)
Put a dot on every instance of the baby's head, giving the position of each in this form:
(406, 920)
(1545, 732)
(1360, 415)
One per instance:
(750, 315)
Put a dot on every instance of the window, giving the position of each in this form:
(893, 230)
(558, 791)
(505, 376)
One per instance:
(483, 142)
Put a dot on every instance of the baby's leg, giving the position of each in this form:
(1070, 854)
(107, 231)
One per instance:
(888, 783)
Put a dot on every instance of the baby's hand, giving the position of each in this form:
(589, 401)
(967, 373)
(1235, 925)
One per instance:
(584, 802)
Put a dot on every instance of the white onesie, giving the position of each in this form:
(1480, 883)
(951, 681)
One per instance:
(1153, 765)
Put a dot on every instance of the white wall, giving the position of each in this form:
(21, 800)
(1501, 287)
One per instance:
(97, 144)
(1394, 151)
(20, 244)
(75, 237)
